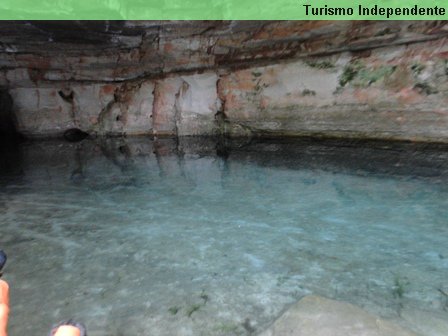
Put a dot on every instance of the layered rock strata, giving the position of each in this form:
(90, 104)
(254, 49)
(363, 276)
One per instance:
(373, 79)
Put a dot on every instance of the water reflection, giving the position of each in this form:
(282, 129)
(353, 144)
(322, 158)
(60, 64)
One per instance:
(129, 155)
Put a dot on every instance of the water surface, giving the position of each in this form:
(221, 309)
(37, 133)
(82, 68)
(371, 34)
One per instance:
(191, 237)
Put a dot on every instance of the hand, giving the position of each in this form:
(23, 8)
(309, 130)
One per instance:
(4, 307)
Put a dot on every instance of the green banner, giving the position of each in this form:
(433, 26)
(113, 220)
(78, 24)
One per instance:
(223, 10)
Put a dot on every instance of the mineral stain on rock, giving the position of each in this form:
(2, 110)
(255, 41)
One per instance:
(291, 78)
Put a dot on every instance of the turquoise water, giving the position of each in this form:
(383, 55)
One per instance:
(140, 237)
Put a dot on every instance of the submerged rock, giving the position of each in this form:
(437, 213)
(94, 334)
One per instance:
(318, 316)
(426, 323)
(75, 135)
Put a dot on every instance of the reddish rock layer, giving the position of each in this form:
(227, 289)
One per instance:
(333, 78)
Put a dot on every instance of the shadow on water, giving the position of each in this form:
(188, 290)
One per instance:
(412, 160)
(11, 163)
(348, 156)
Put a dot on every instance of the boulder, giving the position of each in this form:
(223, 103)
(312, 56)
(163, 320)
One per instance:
(426, 323)
(318, 316)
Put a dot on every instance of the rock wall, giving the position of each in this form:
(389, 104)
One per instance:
(184, 105)
(390, 92)
(363, 79)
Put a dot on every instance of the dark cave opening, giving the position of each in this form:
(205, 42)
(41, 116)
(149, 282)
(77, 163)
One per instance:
(8, 120)
(10, 138)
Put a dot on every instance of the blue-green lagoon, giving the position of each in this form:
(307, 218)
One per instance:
(199, 237)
